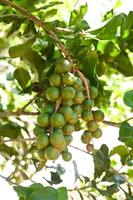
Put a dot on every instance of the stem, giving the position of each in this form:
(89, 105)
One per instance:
(17, 140)
(84, 82)
(80, 149)
(10, 182)
(41, 24)
(58, 104)
(21, 110)
(9, 114)
(112, 123)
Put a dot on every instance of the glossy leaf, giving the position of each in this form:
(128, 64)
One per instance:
(55, 178)
(128, 98)
(101, 160)
(77, 15)
(123, 64)
(35, 61)
(122, 151)
(24, 192)
(48, 193)
(20, 50)
(127, 25)
(125, 134)
(22, 76)
(10, 130)
(109, 31)
(62, 194)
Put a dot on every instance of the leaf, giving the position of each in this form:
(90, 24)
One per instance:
(10, 130)
(128, 98)
(55, 178)
(112, 49)
(112, 189)
(15, 26)
(101, 160)
(127, 25)
(35, 61)
(20, 49)
(62, 194)
(48, 193)
(24, 192)
(123, 64)
(77, 15)
(51, 4)
(22, 76)
(122, 151)
(51, 13)
(118, 179)
(8, 18)
(7, 151)
(126, 134)
(109, 31)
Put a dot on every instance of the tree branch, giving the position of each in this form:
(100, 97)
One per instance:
(9, 114)
(16, 140)
(41, 24)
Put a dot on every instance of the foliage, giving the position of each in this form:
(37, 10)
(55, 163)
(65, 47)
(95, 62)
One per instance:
(35, 49)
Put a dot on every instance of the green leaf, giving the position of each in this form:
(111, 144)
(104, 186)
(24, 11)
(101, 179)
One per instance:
(127, 25)
(7, 151)
(10, 18)
(48, 193)
(10, 130)
(22, 76)
(55, 178)
(128, 98)
(62, 194)
(24, 192)
(122, 151)
(51, 4)
(101, 160)
(123, 64)
(118, 179)
(15, 26)
(112, 49)
(126, 133)
(77, 15)
(35, 61)
(20, 49)
(51, 13)
(112, 189)
(109, 31)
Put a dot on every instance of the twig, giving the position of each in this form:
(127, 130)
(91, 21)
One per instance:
(9, 114)
(78, 189)
(41, 24)
(127, 119)
(57, 106)
(16, 140)
(9, 181)
(112, 123)
(80, 149)
(21, 110)
(84, 82)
